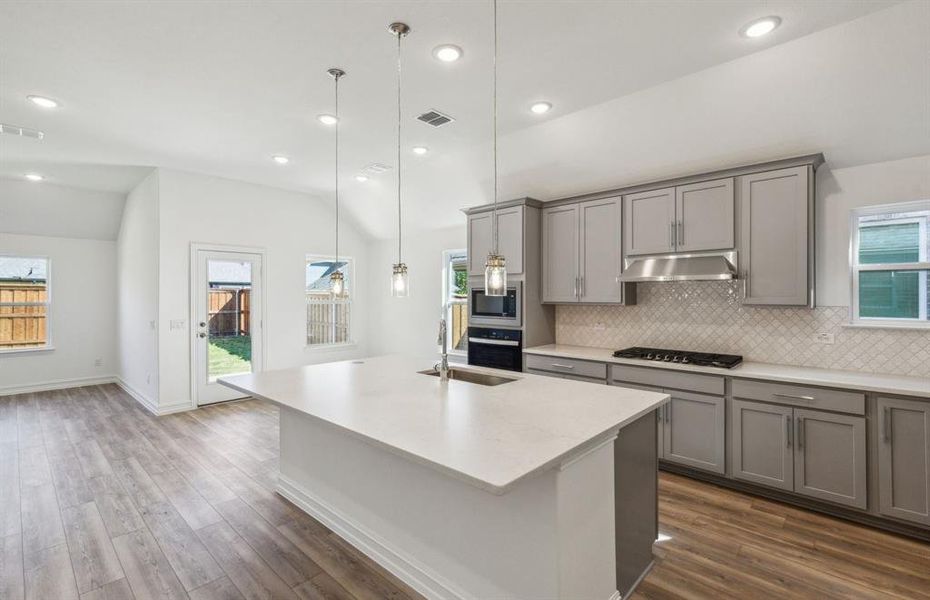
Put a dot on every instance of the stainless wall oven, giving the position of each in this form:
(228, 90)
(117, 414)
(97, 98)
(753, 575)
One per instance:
(496, 311)
(495, 348)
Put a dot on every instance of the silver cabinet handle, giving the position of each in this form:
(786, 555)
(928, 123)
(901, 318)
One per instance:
(671, 234)
(581, 285)
(800, 433)
(788, 429)
(886, 423)
(681, 233)
(561, 366)
(794, 397)
(576, 287)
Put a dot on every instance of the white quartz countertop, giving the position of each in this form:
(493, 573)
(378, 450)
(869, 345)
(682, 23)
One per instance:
(866, 382)
(491, 437)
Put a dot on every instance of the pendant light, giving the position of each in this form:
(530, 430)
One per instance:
(495, 269)
(337, 280)
(400, 286)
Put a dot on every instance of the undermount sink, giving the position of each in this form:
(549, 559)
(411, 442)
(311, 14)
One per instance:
(471, 376)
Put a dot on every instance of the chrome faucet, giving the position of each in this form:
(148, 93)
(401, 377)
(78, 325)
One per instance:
(443, 365)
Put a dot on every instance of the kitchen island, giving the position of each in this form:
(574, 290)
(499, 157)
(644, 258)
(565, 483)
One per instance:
(533, 488)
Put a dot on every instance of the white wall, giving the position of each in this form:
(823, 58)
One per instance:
(81, 324)
(288, 226)
(137, 274)
(410, 325)
(841, 190)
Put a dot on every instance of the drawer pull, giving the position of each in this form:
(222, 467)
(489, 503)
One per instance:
(795, 397)
(561, 366)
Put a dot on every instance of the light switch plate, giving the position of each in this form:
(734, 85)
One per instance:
(176, 324)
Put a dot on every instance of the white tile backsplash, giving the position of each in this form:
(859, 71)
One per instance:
(708, 316)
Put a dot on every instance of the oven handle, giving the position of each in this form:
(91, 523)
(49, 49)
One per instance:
(475, 340)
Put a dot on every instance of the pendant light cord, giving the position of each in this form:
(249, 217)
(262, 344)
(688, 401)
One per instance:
(399, 230)
(336, 78)
(494, 219)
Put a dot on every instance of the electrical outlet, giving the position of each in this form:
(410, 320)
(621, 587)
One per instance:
(599, 327)
(176, 324)
(98, 362)
(824, 338)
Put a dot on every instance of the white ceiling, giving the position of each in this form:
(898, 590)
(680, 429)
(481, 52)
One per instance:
(640, 89)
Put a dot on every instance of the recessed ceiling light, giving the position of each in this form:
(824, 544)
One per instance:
(327, 119)
(447, 53)
(43, 101)
(541, 108)
(281, 160)
(420, 150)
(760, 27)
(34, 177)
(362, 178)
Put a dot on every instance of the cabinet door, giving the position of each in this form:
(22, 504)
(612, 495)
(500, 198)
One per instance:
(705, 216)
(660, 430)
(599, 238)
(560, 254)
(829, 457)
(904, 459)
(649, 219)
(695, 431)
(775, 221)
(761, 443)
(510, 232)
(479, 242)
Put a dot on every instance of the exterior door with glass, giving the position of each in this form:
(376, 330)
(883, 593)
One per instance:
(227, 321)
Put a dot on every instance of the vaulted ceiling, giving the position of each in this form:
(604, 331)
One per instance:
(640, 90)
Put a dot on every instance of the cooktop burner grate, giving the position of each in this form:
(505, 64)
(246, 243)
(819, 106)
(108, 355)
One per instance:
(684, 357)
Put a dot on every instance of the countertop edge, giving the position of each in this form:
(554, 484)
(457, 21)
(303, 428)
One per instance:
(493, 488)
(548, 350)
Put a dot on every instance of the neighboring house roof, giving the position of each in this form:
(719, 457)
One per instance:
(16, 268)
(229, 273)
(318, 273)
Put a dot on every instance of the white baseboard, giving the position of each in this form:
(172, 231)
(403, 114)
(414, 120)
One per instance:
(150, 405)
(58, 384)
(402, 567)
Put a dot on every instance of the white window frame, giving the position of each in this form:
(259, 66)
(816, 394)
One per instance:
(447, 303)
(350, 337)
(923, 264)
(48, 307)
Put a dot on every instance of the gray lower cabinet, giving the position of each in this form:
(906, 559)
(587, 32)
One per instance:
(762, 449)
(776, 214)
(695, 431)
(830, 457)
(904, 459)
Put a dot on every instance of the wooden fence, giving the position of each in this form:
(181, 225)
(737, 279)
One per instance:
(327, 319)
(458, 328)
(23, 326)
(228, 311)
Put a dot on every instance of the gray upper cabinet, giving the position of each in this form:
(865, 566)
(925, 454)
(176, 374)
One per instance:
(762, 443)
(510, 239)
(560, 254)
(581, 252)
(904, 459)
(705, 216)
(599, 254)
(695, 431)
(649, 222)
(829, 457)
(775, 251)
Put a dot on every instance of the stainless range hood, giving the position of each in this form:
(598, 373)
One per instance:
(681, 267)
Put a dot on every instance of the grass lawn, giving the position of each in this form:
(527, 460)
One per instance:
(229, 355)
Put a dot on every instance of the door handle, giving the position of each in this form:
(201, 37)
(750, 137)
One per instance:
(671, 233)
(681, 233)
(576, 287)
(202, 334)
(581, 286)
(203, 324)
(788, 429)
(886, 423)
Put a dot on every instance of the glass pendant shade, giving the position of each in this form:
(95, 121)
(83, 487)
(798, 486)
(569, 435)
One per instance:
(495, 276)
(400, 285)
(337, 283)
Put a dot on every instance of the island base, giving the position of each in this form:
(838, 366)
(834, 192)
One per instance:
(552, 535)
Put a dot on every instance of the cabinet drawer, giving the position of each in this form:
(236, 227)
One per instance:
(566, 376)
(567, 366)
(707, 384)
(799, 395)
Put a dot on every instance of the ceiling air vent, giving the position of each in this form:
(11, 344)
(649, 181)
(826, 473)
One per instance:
(21, 131)
(435, 118)
(376, 168)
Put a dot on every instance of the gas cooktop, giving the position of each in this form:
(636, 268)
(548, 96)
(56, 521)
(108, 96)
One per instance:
(684, 357)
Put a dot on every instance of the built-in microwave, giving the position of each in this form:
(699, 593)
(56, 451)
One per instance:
(496, 311)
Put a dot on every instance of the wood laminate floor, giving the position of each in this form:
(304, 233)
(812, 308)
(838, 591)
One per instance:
(100, 500)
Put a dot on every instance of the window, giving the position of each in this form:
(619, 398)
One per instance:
(328, 317)
(455, 299)
(24, 302)
(890, 265)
